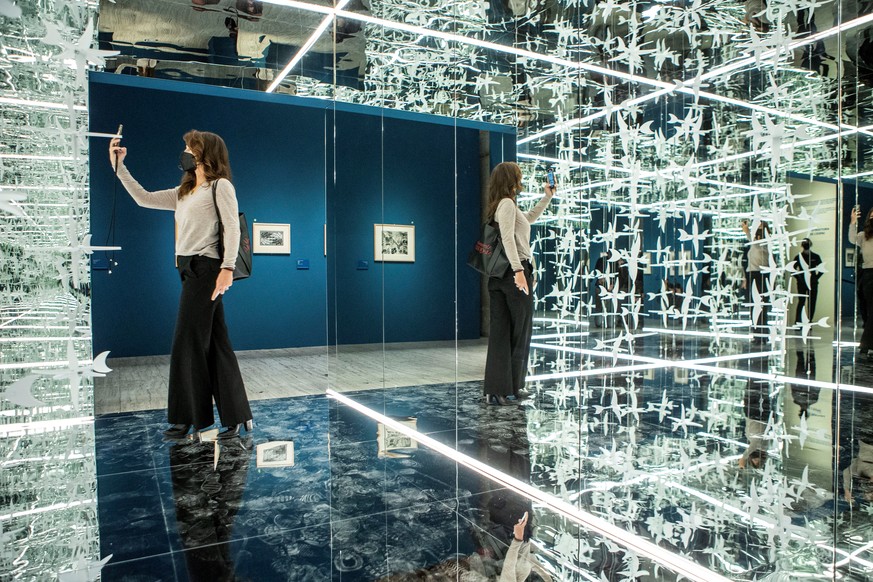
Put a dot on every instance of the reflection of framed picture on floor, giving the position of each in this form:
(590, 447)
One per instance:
(391, 443)
(276, 454)
(271, 239)
(394, 243)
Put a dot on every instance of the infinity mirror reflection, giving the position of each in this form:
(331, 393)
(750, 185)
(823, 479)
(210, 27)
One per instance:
(697, 373)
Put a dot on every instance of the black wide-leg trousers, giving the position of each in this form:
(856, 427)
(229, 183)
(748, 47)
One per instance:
(509, 338)
(811, 294)
(866, 284)
(203, 366)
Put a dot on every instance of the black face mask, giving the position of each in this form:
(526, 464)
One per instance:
(187, 163)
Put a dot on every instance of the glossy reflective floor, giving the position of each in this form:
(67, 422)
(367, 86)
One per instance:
(726, 458)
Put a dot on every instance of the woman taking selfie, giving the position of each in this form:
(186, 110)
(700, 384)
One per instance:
(203, 366)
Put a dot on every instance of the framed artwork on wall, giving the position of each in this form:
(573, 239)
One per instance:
(394, 243)
(271, 239)
(850, 257)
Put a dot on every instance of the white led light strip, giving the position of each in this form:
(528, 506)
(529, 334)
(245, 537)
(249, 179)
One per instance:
(40, 104)
(626, 539)
(306, 46)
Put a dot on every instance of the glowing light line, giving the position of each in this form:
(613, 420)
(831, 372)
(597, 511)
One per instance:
(624, 538)
(39, 104)
(716, 370)
(310, 42)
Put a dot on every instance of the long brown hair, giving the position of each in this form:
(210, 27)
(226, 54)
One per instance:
(209, 150)
(868, 226)
(504, 182)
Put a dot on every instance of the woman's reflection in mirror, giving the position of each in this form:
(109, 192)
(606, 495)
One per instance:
(511, 296)
(758, 412)
(805, 396)
(806, 275)
(864, 240)
(759, 259)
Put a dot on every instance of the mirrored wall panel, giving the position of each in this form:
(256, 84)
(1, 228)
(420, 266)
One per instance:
(48, 519)
(668, 376)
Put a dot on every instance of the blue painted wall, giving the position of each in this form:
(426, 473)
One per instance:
(284, 173)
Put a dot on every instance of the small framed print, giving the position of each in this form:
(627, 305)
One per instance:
(850, 257)
(271, 239)
(394, 243)
(275, 454)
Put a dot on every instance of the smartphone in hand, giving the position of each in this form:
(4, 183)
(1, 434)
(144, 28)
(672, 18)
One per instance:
(550, 176)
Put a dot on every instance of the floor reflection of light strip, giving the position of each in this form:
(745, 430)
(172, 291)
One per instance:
(594, 372)
(564, 321)
(769, 524)
(718, 371)
(626, 539)
(655, 474)
(678, 363)
(697, 333)
(533, 337)
(850, 557)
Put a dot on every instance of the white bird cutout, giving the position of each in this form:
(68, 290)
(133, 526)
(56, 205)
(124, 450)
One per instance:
(9, 202)
(9, 10)
(85, 571)
(19, 392)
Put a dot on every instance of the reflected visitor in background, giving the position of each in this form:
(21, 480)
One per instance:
(805, 396)
(807, 274)
(759, 257)
(864, 240)
(758, 412)
(511, 296)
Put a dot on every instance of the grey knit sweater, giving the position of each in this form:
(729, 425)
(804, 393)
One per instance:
(196, 220)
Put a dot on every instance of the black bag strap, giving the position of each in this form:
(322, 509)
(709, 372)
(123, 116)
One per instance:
(220, 224)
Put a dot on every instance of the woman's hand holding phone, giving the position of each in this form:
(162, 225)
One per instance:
(116, 152)
(518, 529)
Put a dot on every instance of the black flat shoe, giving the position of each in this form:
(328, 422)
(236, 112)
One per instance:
(233, 431)
(522, 394)
(177, 431)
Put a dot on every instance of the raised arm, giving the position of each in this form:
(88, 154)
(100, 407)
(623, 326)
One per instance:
(534, 213)
(160, 199)
(854, 237)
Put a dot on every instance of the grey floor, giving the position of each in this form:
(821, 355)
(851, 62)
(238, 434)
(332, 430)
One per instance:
(141, 383)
